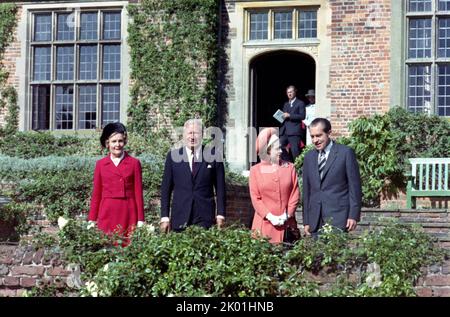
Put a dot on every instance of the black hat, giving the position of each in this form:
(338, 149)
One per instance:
(110, 129)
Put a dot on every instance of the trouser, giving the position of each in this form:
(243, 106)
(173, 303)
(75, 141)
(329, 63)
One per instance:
(294, 141)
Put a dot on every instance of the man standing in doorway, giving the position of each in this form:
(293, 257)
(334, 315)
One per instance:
(292, 131)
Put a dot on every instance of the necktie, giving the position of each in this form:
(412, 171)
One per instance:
(193, 163)
(322, 162)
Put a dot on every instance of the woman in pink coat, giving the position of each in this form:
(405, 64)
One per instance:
(273, 189)
(117, 203)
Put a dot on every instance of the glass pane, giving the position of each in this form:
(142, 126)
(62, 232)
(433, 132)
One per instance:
(283, 25)
(64, 63)
(42, 27)
(307, 24)
(66, 27)
(87, 111)
(64, 107)
(444, 90)
(419, 41)
(111, 62)
(444, 38)
(41, 63)
(88, 62)
(111, 25)
(444, 5)
(41, 107)
(110, 104)
(88, 27)
(419, 84)
(258, 25)
(419, 5)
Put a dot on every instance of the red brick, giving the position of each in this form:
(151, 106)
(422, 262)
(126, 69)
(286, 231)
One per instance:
(441, 291)
(437, 280)
(8, 293)
(28, 270)
(57, 271)
(27, 282)
(38, 256)
(424, 292)
(11, 281)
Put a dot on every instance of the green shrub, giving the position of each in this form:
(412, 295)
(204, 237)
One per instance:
(35, 144)
(229, 262)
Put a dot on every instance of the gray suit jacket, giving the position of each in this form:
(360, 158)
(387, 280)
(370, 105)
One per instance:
(338, 196)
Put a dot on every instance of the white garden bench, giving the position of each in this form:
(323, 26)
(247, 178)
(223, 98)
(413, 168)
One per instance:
(429, 178)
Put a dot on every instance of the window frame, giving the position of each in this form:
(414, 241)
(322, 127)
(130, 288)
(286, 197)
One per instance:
(76, 43)
(271, 23)
(434, 61)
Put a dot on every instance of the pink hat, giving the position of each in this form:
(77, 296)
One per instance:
(265, 139)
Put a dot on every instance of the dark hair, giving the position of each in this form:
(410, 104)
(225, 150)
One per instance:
(326, 125)
(110, 129)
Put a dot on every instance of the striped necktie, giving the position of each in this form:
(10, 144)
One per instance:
(322, 162)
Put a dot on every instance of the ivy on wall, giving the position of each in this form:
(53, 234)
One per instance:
(174, 48)
(8, 95)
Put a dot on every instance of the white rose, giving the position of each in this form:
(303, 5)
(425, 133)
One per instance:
(92, 288)
(62, 222)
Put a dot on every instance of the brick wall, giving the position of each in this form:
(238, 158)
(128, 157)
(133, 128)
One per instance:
(360, 70)
(23, 267)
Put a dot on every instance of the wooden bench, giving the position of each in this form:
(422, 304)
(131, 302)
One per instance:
(429, 178)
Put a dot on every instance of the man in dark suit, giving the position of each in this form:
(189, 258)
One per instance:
(192, 173)
(331, 182)
(292, 131)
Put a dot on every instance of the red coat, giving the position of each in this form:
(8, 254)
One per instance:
(117, 197)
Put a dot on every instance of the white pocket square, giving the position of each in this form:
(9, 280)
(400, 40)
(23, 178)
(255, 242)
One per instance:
(209, 166)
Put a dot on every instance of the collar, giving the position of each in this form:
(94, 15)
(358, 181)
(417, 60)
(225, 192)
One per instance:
(292, 101)
(117, 159)
(328, 148)
(197, 151)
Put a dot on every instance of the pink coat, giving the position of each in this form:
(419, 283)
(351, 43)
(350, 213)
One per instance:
(273, 188)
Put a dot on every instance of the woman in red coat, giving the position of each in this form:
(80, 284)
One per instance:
(273, 189)
(117, 203)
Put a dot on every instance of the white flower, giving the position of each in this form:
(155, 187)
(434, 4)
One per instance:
(150, 228)
(91, 224)
(327, 228)
(106, 267)
(373, 279)
(92, 288)
(62, 222)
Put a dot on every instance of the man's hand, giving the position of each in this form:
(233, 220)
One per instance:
(286, 115)
(164, 226)
(351, 224)
(220, 222)
(306, 227)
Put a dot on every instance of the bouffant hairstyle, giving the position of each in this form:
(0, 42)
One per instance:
(110, 129)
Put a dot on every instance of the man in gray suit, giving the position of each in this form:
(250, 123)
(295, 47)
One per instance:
(331, 182)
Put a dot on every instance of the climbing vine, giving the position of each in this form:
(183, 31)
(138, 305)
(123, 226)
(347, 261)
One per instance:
(8, 95)
(174, 48)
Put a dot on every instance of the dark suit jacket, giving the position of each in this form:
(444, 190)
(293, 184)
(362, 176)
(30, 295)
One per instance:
(193, 195)
(293, 125)
(338, 196)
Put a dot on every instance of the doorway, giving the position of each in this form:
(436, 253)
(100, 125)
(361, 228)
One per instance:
(270, 75)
